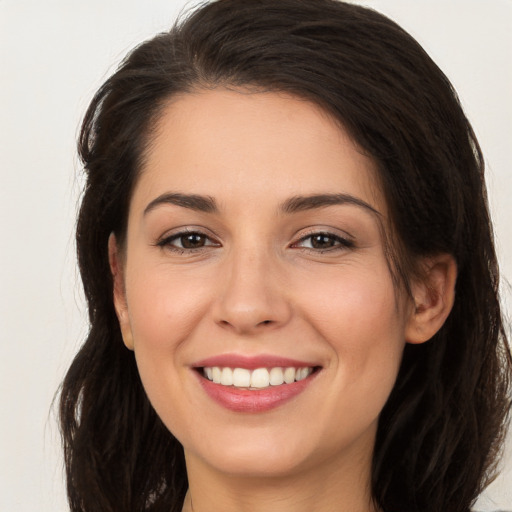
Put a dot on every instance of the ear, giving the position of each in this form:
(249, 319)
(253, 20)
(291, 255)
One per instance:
(120, 304)
(433, 296)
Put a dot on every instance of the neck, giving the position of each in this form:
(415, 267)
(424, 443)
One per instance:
(334, 488)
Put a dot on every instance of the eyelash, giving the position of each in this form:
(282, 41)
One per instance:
(339, 243)
(167, 242)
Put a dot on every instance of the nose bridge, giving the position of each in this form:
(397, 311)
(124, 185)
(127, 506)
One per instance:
(252, 295)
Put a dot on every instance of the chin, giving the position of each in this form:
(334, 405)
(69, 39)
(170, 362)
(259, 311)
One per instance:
(251, 454)
(271, 463)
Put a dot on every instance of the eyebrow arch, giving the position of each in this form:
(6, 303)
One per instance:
(197, 202)
(301, 203)
(295, 204)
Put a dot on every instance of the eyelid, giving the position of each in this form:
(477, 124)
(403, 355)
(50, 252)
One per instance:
(165, 240)
(344, 242)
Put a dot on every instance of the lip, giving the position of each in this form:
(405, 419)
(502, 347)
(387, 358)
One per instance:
(253, 401)
(251, 362)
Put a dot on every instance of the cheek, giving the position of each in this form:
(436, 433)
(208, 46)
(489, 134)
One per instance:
(360, 316)
(355, 303)
(164, 305)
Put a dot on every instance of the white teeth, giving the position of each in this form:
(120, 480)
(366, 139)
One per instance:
(260, 378)
(289, 375)
(276, 376)
(241, 378)
(226, 377)
(255, 379)
(216, 374)
(302, 373)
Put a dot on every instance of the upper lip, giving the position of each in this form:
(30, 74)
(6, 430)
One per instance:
(252, 362)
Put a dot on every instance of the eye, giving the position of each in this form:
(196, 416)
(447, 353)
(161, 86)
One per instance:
(187, 241)
(323, 242)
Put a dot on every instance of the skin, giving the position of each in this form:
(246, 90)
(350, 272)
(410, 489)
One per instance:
(259, 285)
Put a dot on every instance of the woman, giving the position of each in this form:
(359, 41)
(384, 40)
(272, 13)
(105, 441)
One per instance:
(287, 255)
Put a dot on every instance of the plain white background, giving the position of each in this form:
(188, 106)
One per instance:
(53, 55)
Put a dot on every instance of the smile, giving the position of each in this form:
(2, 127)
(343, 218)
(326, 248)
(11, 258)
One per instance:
(254, 384)
(258, 378)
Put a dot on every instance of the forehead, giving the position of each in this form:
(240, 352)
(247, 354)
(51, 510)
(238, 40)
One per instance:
(253, 146)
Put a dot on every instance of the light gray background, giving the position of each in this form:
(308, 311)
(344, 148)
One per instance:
(53, 55)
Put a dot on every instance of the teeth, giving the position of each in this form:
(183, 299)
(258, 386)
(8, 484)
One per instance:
(216, 375)
(276, 376)
(255, 379)
(260, 378)
(226, 377)
(301, 374)
(241, 378)
(289, 375)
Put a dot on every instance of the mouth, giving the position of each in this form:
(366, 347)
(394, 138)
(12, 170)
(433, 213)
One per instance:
(254, 384)
(258, 378)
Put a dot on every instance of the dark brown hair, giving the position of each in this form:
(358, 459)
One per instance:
(440, 432)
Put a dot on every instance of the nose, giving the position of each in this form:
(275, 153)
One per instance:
(253, 295)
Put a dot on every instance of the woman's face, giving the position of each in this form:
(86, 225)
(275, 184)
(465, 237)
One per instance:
(255, 255)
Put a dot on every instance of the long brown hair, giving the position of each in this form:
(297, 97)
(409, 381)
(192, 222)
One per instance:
(440, 432)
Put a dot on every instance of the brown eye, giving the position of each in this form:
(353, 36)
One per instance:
(187, 241)
(324, 242)
(192, 241)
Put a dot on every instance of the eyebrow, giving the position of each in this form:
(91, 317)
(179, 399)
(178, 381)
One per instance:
(196, 202)
(295, 204)
(302, 203)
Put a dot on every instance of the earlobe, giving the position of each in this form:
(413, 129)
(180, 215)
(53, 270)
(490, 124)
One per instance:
(119, 294)
(434, 296)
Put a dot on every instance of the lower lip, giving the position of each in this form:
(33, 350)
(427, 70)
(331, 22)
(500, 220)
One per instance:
(260, 400)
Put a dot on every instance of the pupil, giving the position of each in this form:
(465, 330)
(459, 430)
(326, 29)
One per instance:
(192, 241)
(322, 241)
